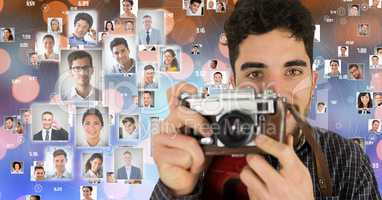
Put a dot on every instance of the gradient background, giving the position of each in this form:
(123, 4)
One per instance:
(21, 85)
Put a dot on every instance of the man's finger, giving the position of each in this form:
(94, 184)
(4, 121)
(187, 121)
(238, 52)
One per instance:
(163, 154)
(266, 172)
(282, 152)
(185, 143)
(255, 186)
(174, 93)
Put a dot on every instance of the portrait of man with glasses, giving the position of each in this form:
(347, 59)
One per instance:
(81, 71)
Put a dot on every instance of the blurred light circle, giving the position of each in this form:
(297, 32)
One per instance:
(25, 88)
(5, 61)
(54, 9)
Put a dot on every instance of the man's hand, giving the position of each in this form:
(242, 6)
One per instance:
(179, 158)
(292, 182)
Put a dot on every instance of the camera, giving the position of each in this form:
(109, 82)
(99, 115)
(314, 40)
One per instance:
(236, 117)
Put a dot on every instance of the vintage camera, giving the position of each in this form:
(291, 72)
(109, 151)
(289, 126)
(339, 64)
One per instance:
(236, 116)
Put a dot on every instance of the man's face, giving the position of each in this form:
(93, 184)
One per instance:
(375, 60)
(47, 121)
(276, 61)
(121, 54)
(375, 126)
(149, 76)
(8, 124)
(343, 51)
(321, 107)
(34, 58)
(378, 99)
(27, 117)
(379, 51)
(354, 11)
(81, 28)
(130, 27)
(82, 71)
(39, 174)
(146, 99)
(355, 72)
(129, 127)
(127, 158)
(194, 7)
(48, 44)
(334, 67)
(59, 163)
(147, 23)
(218, 78)
(86, 192)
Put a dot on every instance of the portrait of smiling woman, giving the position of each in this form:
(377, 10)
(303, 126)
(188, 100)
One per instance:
(91, 129)
(93, 166)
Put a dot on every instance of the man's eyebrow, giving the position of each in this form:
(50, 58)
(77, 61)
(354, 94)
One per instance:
(293, 63)
(260, 65)
(249, 65)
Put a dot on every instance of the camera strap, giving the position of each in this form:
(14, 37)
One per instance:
(322, 168)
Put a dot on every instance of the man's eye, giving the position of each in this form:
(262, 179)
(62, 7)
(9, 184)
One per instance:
(293, 72)
(255, 75)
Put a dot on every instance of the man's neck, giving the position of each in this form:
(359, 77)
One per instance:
(83, 91)
(48, 52)
(79, 38)
(60, 173)
(127, 66)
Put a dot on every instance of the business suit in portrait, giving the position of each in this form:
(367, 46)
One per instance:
(155, 37)
(56, 135)
(135, 173)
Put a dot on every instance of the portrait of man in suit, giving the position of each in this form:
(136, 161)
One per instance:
(149, 35)
(50, 130)
(128, 171)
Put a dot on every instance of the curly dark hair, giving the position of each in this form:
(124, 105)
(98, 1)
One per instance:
(262, 16)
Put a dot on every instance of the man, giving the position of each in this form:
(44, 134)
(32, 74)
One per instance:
(39, 173)
(377, 98)
(355, 72)
(195, 49)
(60, 160)
(266, 50)
(194, 8)
(375, 4)
(147, 99)
(334, 68)
(87, 192)
(48, 132)
(374, 126)
(354, 10)
(379, 51)
(27, 117)
(149, 35)
(321, 107)
(121, 52)
(218, 82)
(128, 171)
(148, 78)
(34, 197)
(81, 70)
(9, 123)
(33, 59)
(213, 64)
(363, 29)
(128, 129)
(374, 62)
(48, 41)
(83, 23)
(343, 52)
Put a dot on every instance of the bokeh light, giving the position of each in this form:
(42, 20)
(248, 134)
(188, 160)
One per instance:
(116, 190)
(25, 88)
(379, 150)
(54, 9)
(5, 61)
(185, 31)
(169, 20)
(114, 100)
(1, 5)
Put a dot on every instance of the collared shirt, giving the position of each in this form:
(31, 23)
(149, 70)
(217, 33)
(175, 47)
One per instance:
(93, 95)
(118, 68)
(76, 42)
(65, 175)
(44, 134)
(128, 170)
(198, 13)
(350, 170)
(126, 135)
(153, 85)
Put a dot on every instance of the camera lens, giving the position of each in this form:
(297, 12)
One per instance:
(235, 129)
